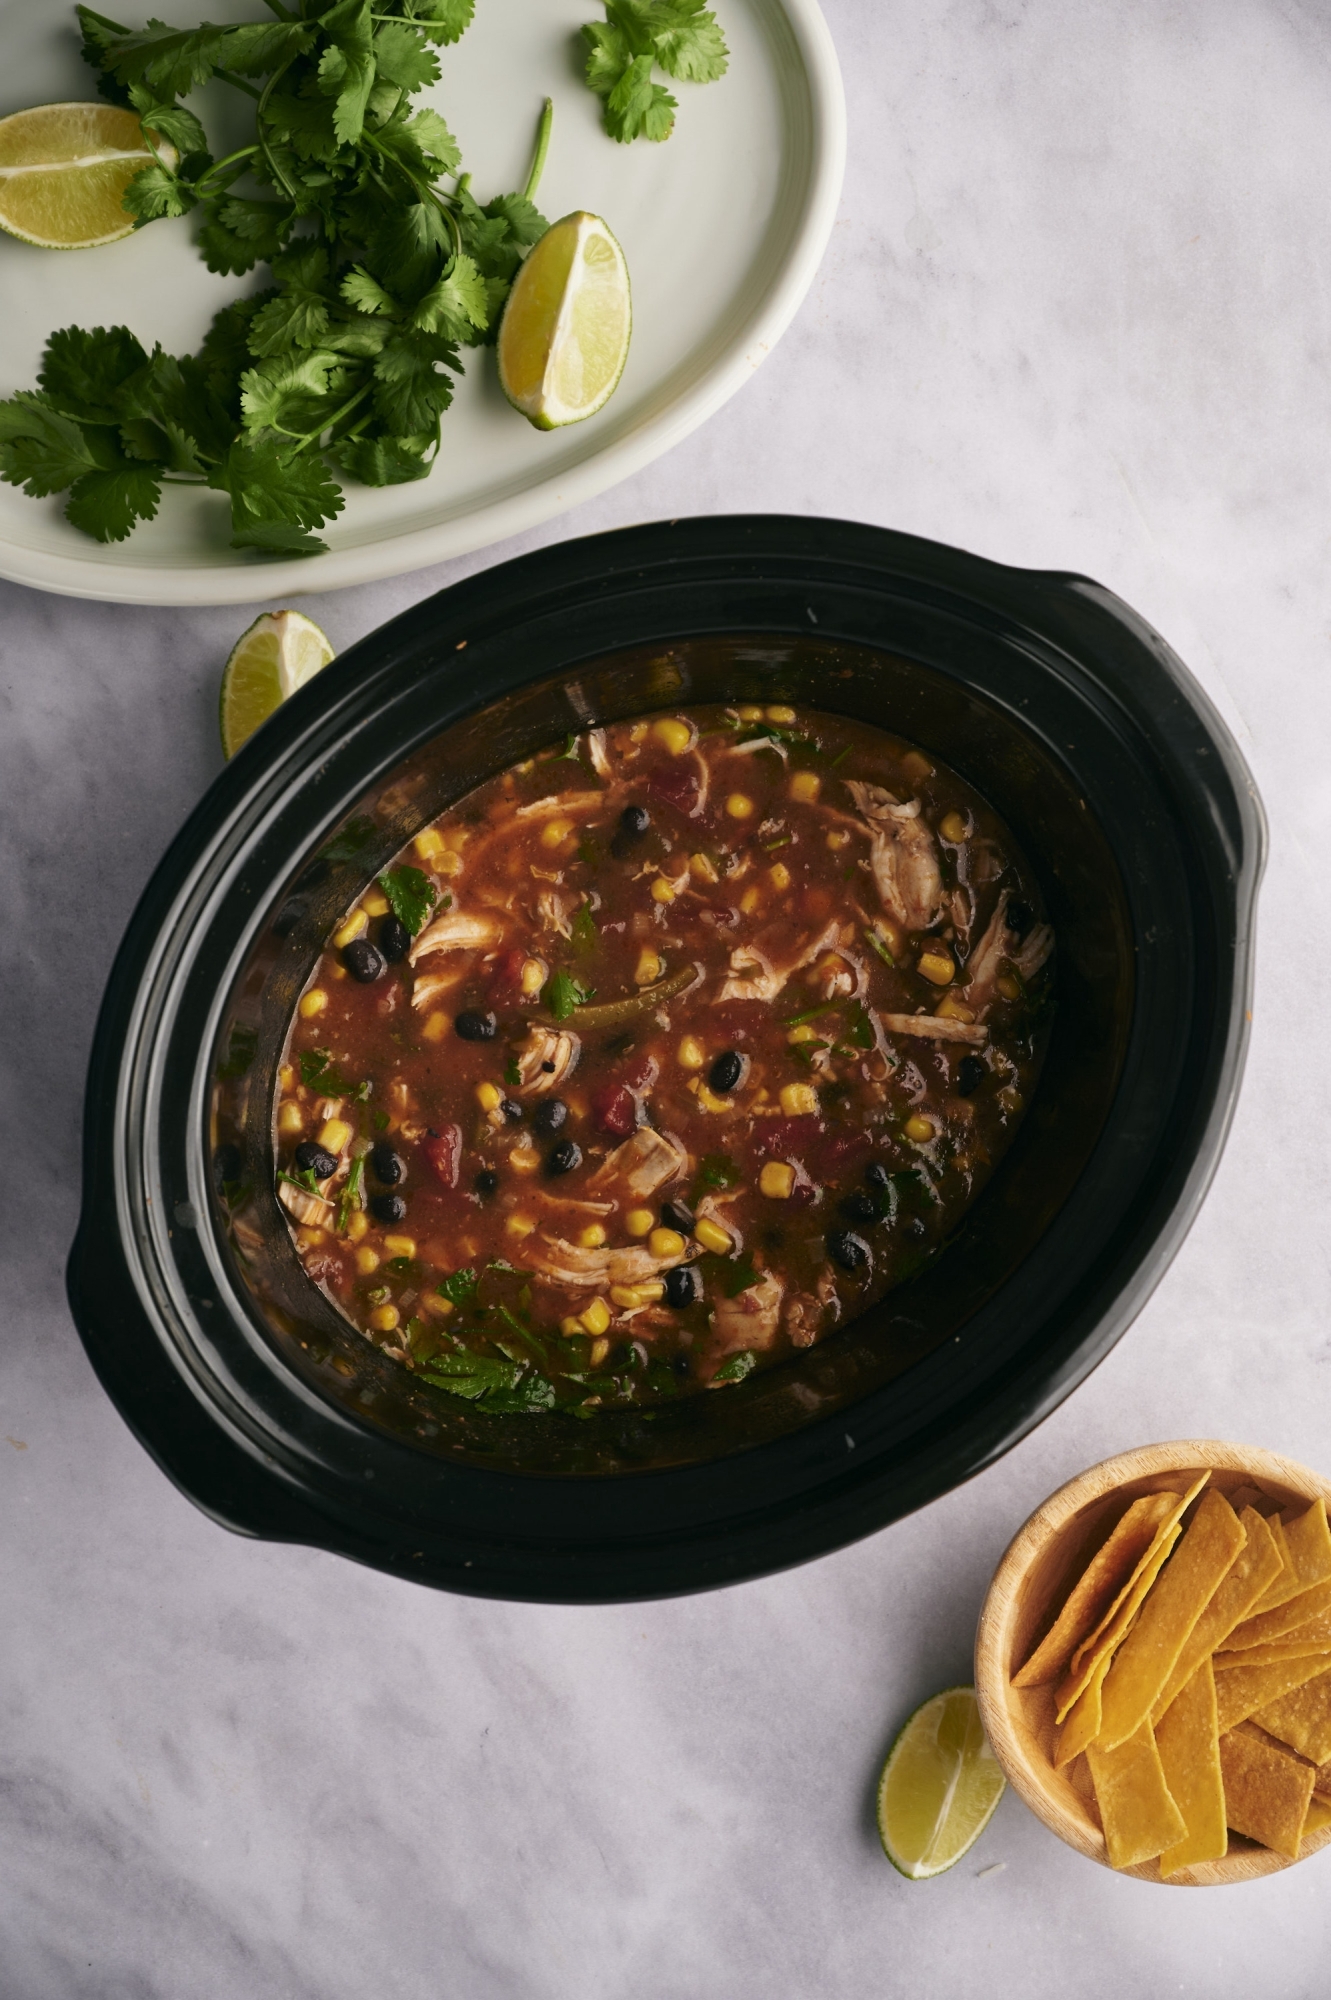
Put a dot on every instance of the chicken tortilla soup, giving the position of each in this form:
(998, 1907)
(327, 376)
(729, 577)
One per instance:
(661, 1056)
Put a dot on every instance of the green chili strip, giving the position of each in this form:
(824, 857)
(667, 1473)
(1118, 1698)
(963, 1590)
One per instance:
(612, 1012)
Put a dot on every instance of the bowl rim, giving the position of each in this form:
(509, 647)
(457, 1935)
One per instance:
(1026, 1768)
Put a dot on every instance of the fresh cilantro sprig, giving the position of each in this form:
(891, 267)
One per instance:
(738, 1366)
(411, 896)
(681, 37)
(562, 994)
(319, 1072)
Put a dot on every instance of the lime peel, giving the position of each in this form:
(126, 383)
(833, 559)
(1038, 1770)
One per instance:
(939, 1786)
(279, 653)
(564, 337)
(64, 169)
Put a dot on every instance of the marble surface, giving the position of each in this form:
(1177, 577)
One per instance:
(1074, 317)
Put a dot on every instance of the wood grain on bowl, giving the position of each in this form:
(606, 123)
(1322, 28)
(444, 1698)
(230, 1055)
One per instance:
(1028, 1590)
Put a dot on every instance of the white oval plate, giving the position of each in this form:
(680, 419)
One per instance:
(723, 227)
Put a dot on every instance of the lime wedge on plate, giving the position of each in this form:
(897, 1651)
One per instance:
(564, 337)
(939, 1786)
(64, 169)
(280, 652)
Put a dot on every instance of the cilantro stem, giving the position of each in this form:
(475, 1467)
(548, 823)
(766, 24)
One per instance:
(328, 422)
(237, 82)
(276, 7)
(278, 176)
(243, 153)
(542, 148)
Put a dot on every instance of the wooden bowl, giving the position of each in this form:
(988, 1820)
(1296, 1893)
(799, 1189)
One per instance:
(1034, 1577)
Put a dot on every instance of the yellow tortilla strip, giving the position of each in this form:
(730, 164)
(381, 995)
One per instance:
(1116, 1621)
(1257, 1564)
(1094, 1591)
(1083, 1720)
(1139, 1817)
(1302, 1719)
(1317, 1816)
(1267, 1789)
(1308, 1548)
(1309, 1642)
(1288, 1617)
(1241, 1691)
(1191, 1577)
(1189, 1744)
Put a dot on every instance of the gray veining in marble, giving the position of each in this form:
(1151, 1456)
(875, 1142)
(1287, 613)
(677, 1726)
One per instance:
(1074, 316)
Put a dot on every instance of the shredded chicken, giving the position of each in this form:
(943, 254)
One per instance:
(935, 1028)
(642, 1164)
(554, 910)
(999, 947)
(902, 855)
(598, 753)
(575, 804)
(583, 1270)
(804, 1318)
(751, 1319)
(455, 931)
(753, 974)
(545, 1059)
(572, 1201)
(310, 1208)
(428, 987)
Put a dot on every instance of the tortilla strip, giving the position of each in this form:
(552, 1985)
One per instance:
(1186, 1585)
(1302, 1719)
(1301, 1644)
(1189, 1744)
(1257, 1564)
(1241, 1691)
(1308, 1545)
(1093, 1592)
(1083, 1719)
(1139, 1817)
(1317, 1816)
(1322, 1781)
(1267, 1789)
(1286, 1618)
(1116, 1621)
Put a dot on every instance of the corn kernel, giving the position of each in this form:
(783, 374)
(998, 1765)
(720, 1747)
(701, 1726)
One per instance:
(711, 1235)
(919, 1128)
(286, 1077)
(352, 928)
(309, 1239)
(1008, 986)
(739, 805)
(952, 1009)
(649, 967)
(666, 1243)
(638, 732)
(555, 832)
(336, 1134)
(400, 1246)
(632, 1296)
(367, 1260)
(570, 1328)
(533, 976)
(429, 845)
(433, 1302)
(750, 900)
(708, 1098)
(662, 891)
(837, 839)
(703, 868)
(313, 1003)
(803, 1031)
(805, 787)
(489, 1096)
(798, 1100)
(449, 863)
(676, 735)
(358, 1223)
(596, 1318)
(592, 1237)
(917, 767)
(779, 877)
(638, 1221)
(337, 972)
(953, 826)
(436, 1026)
(751, 712)
(625, 1297)
(777, 1180)
(384, 1319)
(890, 934)
(599, 1350)
(524, 1159)
(935, 964)
(691, 1053)
(374, 902)
(519, 1226)
(290, 1120)
(781, 714)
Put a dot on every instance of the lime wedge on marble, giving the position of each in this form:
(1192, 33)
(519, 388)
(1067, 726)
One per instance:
(278, 654)
(939, 1786)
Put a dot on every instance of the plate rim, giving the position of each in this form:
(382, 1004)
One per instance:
(99, 577)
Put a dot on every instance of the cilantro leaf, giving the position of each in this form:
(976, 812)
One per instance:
(637, 107)
(717, 1170)
(681, 37)
(738, 1366)
(353, 1192)
(470, 1375)
(402, 56)
(689, 42)
(84, 369)
(411, 896)
(383, 461)
(109, 502)
(459, 1289)
(41, 449)
(319, 1072)
(410, 394)
(436, 142)
(454, 304)
(442, 20)
(563, 993)
(584, 934)
(174, 122)
(270, 489)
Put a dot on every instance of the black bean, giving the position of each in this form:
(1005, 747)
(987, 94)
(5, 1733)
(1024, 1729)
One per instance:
(388, 1208)
(363, 961)
(473, 1026)
(851, 1252)
(674, 1215)
(681, 1287)
(386, 1165)
(312, 1157)
(548, 1116)
(564, 1157)
(548, 1068)
(971, 1073)
(726, 1072)
(633, 824)
(1019, 918)
(486, 1181)
(227, 1166)
(877, 1175)
(860, 1207)
(512, 1111)
(394, 939)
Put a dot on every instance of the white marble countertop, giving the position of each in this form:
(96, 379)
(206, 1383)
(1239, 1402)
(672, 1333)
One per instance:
(1073, 317)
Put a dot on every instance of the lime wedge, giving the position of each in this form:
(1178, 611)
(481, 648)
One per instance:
(939, 1786)
(564, 337)
(64, 169)
(280, 652)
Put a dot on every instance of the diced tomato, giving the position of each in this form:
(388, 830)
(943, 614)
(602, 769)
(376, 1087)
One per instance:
(444, 1152)
(678, 785)
(506, 978)
(615, 1109)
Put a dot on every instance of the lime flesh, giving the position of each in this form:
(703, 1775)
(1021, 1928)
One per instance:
(564, 337)
(64, 169)
(939, 1787)
(278, 654)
